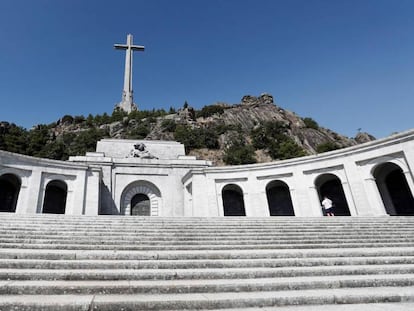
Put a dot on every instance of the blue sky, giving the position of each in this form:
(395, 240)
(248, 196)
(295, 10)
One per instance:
(347, 64)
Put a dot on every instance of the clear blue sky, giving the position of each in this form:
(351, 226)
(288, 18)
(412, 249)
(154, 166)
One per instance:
(348, 64)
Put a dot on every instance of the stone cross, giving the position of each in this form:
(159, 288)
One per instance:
(127, 104)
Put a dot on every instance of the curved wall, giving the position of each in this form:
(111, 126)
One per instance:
(352, 169)
(375, 178)
(34, 174)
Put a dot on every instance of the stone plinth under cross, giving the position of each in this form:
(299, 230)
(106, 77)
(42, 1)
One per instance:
(127, 104)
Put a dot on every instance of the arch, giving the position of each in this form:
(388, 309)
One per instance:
(279, 199)
(140, 205)
(394, 190)
(134, 194)
(10, 186)
(55, 197)
(233, 202)
(330, 185)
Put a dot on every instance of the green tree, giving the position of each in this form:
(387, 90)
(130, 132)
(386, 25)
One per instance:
(208, 111)
(56, 150)
(79, 119)
(90, 120)
(168, 125)
(325, 147)
(238, 152)
(287, 149)
(85, 141)
(67, 119)
(118, 115)
(196, 138)
(14, 139)
(140, 131)
(272, 137)
(311, 123)
(37, 139)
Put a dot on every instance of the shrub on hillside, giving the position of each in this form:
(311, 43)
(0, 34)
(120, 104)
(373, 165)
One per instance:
(208, 111)
(168, 125)
(310, 123)
(196, 138)
(325, 147)
(239, 152)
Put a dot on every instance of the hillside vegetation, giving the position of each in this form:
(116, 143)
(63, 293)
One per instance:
(256, 130)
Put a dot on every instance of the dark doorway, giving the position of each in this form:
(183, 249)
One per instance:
(329, 185)
(279, 200)
(9, 192)
(55, 197)
(140, 205)
(395, 192)
(233, 202)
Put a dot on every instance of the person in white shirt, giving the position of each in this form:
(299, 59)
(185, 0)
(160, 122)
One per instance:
(327, 206)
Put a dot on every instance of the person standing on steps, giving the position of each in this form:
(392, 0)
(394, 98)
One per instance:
(327, 205)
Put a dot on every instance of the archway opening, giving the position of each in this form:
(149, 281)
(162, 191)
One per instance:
(140, 205)
(330, 185)
(279, 199)
(55, 197)
(9, 192)
(141, 198)
(233, 202)
(395, 192)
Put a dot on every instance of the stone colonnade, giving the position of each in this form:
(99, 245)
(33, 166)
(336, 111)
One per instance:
(372, 179)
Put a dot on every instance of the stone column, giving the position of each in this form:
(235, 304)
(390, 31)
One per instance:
(410, 181)
(92, 195)
(349, 198)
(29, 201)
(377, 206)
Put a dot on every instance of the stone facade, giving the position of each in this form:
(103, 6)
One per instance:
(156, 178)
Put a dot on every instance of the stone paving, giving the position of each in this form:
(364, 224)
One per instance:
(61, 262)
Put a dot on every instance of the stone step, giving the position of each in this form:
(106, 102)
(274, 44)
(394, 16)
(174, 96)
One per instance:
(108, 239)
(57, 254)
(170, 223)
(61, 262)
(271, 233)
(205, 247)
(207, 273)
(200, 263)
(60, 287)
(389, 306)
(111, 242)
(205, 236)
(206, 222)
(59, 225)
(202, 301)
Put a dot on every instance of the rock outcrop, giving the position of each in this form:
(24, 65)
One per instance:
(215, 124)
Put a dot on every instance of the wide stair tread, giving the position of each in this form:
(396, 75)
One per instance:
(62, 262)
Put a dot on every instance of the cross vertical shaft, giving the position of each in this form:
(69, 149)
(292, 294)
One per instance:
(127, 104)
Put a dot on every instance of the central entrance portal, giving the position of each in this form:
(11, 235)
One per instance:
(140, 205)
(141, 198)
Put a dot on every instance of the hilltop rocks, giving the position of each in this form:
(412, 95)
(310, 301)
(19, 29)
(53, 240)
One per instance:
(363, 137)
(214, 126)
(263, 99)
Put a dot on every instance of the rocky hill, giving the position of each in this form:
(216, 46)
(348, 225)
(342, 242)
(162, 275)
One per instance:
(255, 130)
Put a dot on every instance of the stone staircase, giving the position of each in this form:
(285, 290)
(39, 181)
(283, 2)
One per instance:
(61, 262)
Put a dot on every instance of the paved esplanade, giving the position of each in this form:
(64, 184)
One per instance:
(127, 103)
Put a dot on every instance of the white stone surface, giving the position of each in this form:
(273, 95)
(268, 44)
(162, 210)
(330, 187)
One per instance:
(178, 185)
(127, 103)
(163, 150)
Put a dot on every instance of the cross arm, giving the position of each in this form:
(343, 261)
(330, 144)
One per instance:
(133, 47)
(137, 47)
(120, 46)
